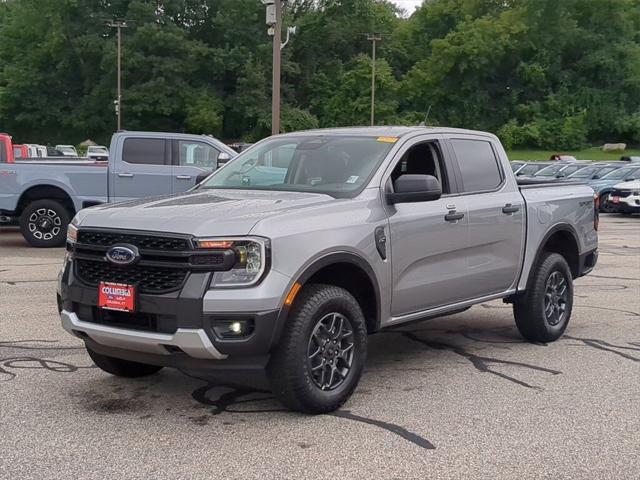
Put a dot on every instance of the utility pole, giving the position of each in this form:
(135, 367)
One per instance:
(373, 38)
(275, 95)
(119, 24)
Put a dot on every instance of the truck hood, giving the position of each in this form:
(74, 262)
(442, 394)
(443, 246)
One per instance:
(201, 213)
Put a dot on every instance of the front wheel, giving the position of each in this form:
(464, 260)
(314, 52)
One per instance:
(120, 367)
(543, 313)
(44, 223)
(605, 204)
(319, 360)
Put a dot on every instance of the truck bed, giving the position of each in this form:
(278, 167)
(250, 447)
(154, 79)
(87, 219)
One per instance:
(554, 203)
(81, 181)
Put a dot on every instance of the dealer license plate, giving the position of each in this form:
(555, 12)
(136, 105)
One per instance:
(117, 296)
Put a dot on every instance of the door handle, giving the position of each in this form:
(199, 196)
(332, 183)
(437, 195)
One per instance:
(126, 175)
(509, 209)
(183, 177)
(453, 216)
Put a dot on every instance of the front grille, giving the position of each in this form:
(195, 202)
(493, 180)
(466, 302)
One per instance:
(148, 279)
(143, 242)
(621, 193)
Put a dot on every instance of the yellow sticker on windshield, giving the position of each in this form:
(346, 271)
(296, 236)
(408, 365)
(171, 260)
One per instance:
(388, 139)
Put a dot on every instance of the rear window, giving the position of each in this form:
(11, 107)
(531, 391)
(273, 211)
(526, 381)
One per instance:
(146, 151)
(478, 165)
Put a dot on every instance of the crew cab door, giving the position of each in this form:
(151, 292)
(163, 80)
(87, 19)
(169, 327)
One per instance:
(190, 158)
(428, 239)
(142, 169)
(496, 216)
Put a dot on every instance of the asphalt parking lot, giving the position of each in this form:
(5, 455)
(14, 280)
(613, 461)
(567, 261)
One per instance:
(457, 397)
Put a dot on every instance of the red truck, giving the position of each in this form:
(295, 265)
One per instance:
(6, 149)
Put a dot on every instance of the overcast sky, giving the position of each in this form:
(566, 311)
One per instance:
(408, 5)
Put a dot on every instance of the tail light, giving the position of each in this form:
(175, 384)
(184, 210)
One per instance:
(596, 211)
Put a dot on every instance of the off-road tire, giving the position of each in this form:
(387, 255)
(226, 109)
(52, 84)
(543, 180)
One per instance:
(289, 373)
(122, 368)
(44, 223)
(529, 310)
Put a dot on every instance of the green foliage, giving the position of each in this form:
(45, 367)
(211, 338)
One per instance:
(541, 73)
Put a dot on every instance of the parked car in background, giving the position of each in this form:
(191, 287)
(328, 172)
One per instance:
(625, 197)
(67, 150)
(561, 169)
(45, 194)
(279, 264)
(37, 151)
(20, 151)
(98, 152)
(631, 159)
(516, 165)
(529, 168)
(594, 171)
(605, 185)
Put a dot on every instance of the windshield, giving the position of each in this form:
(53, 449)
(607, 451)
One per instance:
(620, 173)
(98, 150)
(550, 171)
(67, 149)
(516, 165)
(337, 165)
(530, 169)
(587, 172)
(590, 172)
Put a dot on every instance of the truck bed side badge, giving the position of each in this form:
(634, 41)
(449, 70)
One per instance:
(381, 242)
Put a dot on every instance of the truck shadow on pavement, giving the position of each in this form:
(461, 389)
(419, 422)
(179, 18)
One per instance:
(479, 347)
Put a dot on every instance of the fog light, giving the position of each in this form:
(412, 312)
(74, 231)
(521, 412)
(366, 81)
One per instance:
(232, 328)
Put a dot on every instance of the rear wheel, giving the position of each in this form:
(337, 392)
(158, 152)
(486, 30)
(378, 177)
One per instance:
(320, 357)
(543, 313)
(44, 223)
(122, 368)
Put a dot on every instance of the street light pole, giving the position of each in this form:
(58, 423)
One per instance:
(118, 103)
(373, 38)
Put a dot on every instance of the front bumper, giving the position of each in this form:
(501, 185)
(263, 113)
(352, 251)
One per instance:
(192, 341)
(630, 204)
(178, 326)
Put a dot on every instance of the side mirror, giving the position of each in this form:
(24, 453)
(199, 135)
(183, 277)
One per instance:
(202, 176)
(223, 158)
(411, 188)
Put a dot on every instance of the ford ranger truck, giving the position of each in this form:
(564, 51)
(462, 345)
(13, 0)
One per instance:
(279, 264)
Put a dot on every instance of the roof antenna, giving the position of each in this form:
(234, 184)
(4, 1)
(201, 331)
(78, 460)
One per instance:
(424, 122)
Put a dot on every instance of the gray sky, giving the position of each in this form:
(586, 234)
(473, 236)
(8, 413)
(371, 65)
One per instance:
(408, 5)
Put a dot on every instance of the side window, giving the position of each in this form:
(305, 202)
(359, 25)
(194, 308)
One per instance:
(197, 154)
(478, 165)
(425, 159)
(145, 151)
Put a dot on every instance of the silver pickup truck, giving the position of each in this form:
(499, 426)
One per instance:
(276, 267)
(44, 195)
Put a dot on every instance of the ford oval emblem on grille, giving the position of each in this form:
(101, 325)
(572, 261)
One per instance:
(123, 254)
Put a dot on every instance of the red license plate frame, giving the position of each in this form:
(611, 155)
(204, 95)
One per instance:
(117, 296)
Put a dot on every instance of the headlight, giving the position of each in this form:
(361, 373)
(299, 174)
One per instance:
(252, 257)
(72, 233)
